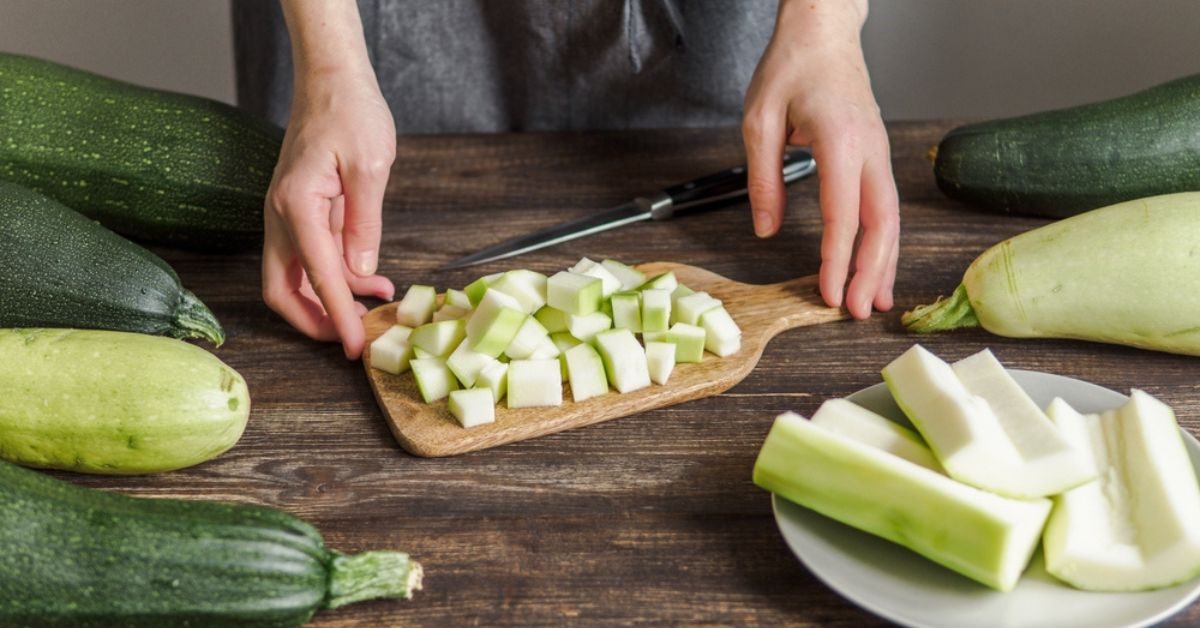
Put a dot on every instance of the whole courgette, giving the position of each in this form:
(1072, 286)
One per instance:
(1060, 163)
(1122, 274)
(61, 269)
(153, 165)
(79, 557)
(114, 402)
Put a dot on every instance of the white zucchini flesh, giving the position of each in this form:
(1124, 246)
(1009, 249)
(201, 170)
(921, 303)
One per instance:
(528, 338)
(660, 361)
(609, 283)
(1137, 526)
(656, 310)
(546, 349)
(391, 351)
(450, 313)
(534, 383)
(689, 307)
(476, 289)
(624, 360)
(466, 363)
(587, 326)
(965, 433)
(439, 338)
(434, 379)
(458, 299)
(585, 372)
(1049, 463)
(526, 286)
(574, 293)
(553, 319)
(627, 311)
(473, 407)
(722, 336)
(853, 421)
(629, 276)
(494, 377)
(666, 281)
(497, 319)
(979, 534)
(688, 341)
(417, 305)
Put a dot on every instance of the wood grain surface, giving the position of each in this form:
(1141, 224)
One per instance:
(647, 520)
(762, 311)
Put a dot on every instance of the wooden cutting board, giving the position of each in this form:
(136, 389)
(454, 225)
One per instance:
(762, 311)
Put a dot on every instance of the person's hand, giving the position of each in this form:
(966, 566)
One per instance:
(323, 215)
(811, 88)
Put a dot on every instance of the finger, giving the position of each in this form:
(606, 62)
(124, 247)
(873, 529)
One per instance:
(839, 172)
(282, 280)
(880, 228)
(376, 286)
(885, 299)
(364, 185)
(764, 132)
(309, 227)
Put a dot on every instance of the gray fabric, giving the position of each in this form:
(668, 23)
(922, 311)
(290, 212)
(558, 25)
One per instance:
(449, 66)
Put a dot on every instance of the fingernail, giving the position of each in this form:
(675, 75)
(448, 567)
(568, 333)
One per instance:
(764, 224)
(364, 262)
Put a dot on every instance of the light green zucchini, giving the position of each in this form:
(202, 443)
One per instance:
(114, 402)
(1123, 274)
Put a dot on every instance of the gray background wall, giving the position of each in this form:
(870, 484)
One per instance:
(928, 58)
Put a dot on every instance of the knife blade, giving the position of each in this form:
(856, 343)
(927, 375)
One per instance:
(706, 192)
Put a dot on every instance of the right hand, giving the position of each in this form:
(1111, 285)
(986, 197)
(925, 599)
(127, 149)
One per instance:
(323, 216)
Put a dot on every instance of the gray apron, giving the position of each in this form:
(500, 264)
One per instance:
(465, 66)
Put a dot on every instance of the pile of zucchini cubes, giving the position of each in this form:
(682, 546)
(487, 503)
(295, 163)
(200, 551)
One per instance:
(518, 335)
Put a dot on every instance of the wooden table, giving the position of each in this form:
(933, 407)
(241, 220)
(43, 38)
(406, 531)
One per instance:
(649, 519)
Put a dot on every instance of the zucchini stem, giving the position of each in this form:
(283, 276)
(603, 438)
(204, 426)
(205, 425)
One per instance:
(944, 314)
(198, 320)
(370, 575)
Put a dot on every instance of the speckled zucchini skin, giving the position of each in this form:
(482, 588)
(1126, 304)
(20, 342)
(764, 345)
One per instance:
(114, 402)
(1060, 163)
(157, 166)
(60, 269)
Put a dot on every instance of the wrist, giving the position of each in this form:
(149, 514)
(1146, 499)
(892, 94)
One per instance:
(327, 39)
(840, 19)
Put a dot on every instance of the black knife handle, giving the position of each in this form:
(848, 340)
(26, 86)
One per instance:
(726, 185)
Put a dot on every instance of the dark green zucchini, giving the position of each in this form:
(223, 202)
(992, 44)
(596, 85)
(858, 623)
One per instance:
(60, 269)
(79, 557)
(157, 166)
(1060, 163)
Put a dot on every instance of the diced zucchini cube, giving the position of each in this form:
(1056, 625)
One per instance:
(689, 308)
(458, 299)
(545, 350)
(434, 379)
(609, 283)
(552, 318)
(586, 327)
(585, 372)
(473, 407)
(494, 377)
(526, 286)
(534, 383)
(660, 360)
(665, 281)
(495, 322)
(564, 341)
(529, 337)
(416, 308)
(681, 291)
(391, 351)
(654, 336)
(467, 363)
(656, 309)
(476, 289)
(629, 276)
(450, 313)
(582, 265)
(688, 341)
(624, 360)
(573, 293)
(439, 338)
(722, 336)
(627, 311)
(422, 354)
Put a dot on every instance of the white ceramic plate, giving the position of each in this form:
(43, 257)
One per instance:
(900, 585)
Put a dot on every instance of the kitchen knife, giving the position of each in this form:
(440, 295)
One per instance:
(703, 193)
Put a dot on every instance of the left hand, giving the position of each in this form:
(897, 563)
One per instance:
(811, 88)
